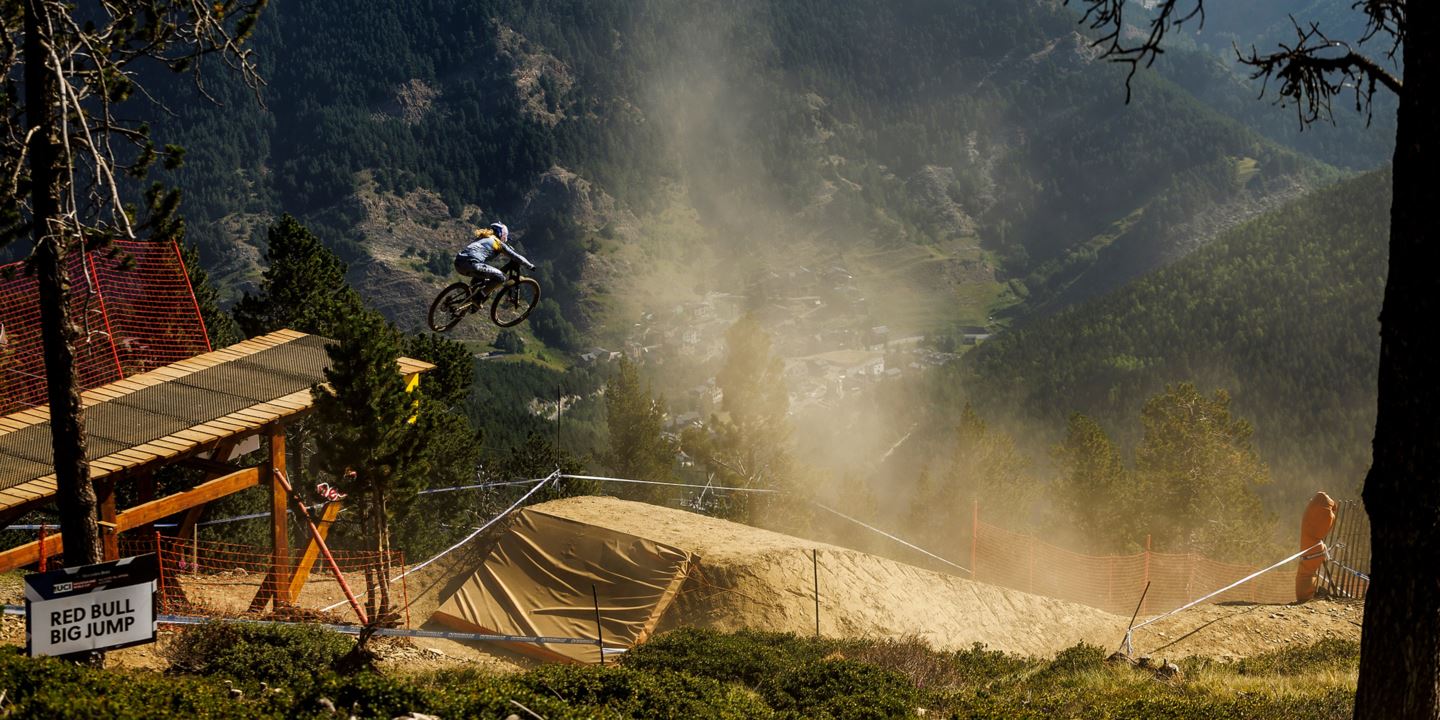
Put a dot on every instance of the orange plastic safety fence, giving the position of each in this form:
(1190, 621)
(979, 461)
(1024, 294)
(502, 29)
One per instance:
(132, 303)
(1114, 582)
(216, 579)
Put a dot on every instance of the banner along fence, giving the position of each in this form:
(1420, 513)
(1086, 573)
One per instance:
(134, 307)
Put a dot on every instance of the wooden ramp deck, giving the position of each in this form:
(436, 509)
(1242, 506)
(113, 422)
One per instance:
(170, 414)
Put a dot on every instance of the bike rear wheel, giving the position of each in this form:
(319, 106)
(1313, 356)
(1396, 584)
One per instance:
(449, 307)
(513, 303)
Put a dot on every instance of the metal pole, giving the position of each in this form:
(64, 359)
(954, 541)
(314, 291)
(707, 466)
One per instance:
(974, 538)
(599, 630)
(42, 546)
(815, 566)
(160, 561)
(1126, 642)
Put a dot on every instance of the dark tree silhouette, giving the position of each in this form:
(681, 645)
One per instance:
(69, 156)
(1400, 644)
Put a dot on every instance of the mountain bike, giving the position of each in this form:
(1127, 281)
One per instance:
(510, 303)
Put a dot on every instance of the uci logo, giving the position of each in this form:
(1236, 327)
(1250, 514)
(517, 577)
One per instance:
(64, 587)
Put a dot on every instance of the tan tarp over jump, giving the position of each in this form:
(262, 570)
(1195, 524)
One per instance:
(538, 579)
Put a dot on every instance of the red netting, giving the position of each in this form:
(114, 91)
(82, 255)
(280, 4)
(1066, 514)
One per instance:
(1114, 582)
(132, 303)
(216, 579)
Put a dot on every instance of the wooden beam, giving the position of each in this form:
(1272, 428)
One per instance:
(109, 531)
(279, 517)
(28, 553)
(312, 550)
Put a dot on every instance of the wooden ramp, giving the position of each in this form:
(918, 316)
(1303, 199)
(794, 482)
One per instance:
(194, 411)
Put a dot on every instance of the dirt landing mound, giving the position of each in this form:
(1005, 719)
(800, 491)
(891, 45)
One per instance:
(752, 578)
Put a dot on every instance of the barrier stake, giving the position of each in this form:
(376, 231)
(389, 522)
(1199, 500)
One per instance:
(405, 589)
(42, 547)
(815, 565)
(1125, 644)
(160, 560)
(599, 630)
(974, 537)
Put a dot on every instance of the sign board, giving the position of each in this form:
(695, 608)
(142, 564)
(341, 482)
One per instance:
(91, 607)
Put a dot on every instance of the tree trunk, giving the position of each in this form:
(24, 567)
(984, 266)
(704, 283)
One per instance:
(382, 544)
(1400, 644)
(74, 495)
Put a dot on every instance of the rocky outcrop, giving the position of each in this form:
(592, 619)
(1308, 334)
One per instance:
(560, 192)
(409, 102)
(541, 80)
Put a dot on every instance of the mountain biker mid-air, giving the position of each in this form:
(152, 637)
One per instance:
(472, 261)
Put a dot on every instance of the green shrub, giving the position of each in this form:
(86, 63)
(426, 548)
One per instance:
(841, 689)
(1072, 661)
(50, 688)
(629, 692)
(746, 656)
(979, 666)
(250, 652)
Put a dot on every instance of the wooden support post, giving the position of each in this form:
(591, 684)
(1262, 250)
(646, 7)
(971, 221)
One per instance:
(279, 517)
(144, 493)
(312, 550)
(105, 506)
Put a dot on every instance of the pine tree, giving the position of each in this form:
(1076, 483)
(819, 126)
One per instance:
(638, 448)
(1092, 493)
(303, 288)
(219, 325)
(988, 468)
(1199, 474)
(72, 154)
(748, 446)
(376, 435)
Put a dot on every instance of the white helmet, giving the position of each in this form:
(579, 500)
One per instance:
(501, 231)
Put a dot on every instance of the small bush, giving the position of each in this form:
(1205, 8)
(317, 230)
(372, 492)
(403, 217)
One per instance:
(249, 652)
(50, 688)
(1072, 661)
(645, 694)
(842, 689)
(746, 656)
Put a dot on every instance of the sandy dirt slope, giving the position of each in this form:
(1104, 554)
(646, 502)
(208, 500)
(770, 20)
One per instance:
(752, 578)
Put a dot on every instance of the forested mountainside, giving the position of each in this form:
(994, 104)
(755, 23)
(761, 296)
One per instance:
(1281, 312)
(974, 151)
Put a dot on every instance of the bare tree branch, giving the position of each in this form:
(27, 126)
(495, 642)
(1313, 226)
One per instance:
(1316, 69)
(1311, 72)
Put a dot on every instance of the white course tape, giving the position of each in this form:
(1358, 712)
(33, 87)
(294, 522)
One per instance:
(912, 546)
(1231, 586)
(600, 478)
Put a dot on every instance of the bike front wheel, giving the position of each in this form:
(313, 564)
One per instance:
(513, 303)
(449, 307)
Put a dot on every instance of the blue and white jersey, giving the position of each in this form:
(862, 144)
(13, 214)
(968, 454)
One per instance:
(480, 251)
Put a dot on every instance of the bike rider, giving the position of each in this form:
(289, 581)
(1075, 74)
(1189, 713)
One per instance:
(472, 261)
